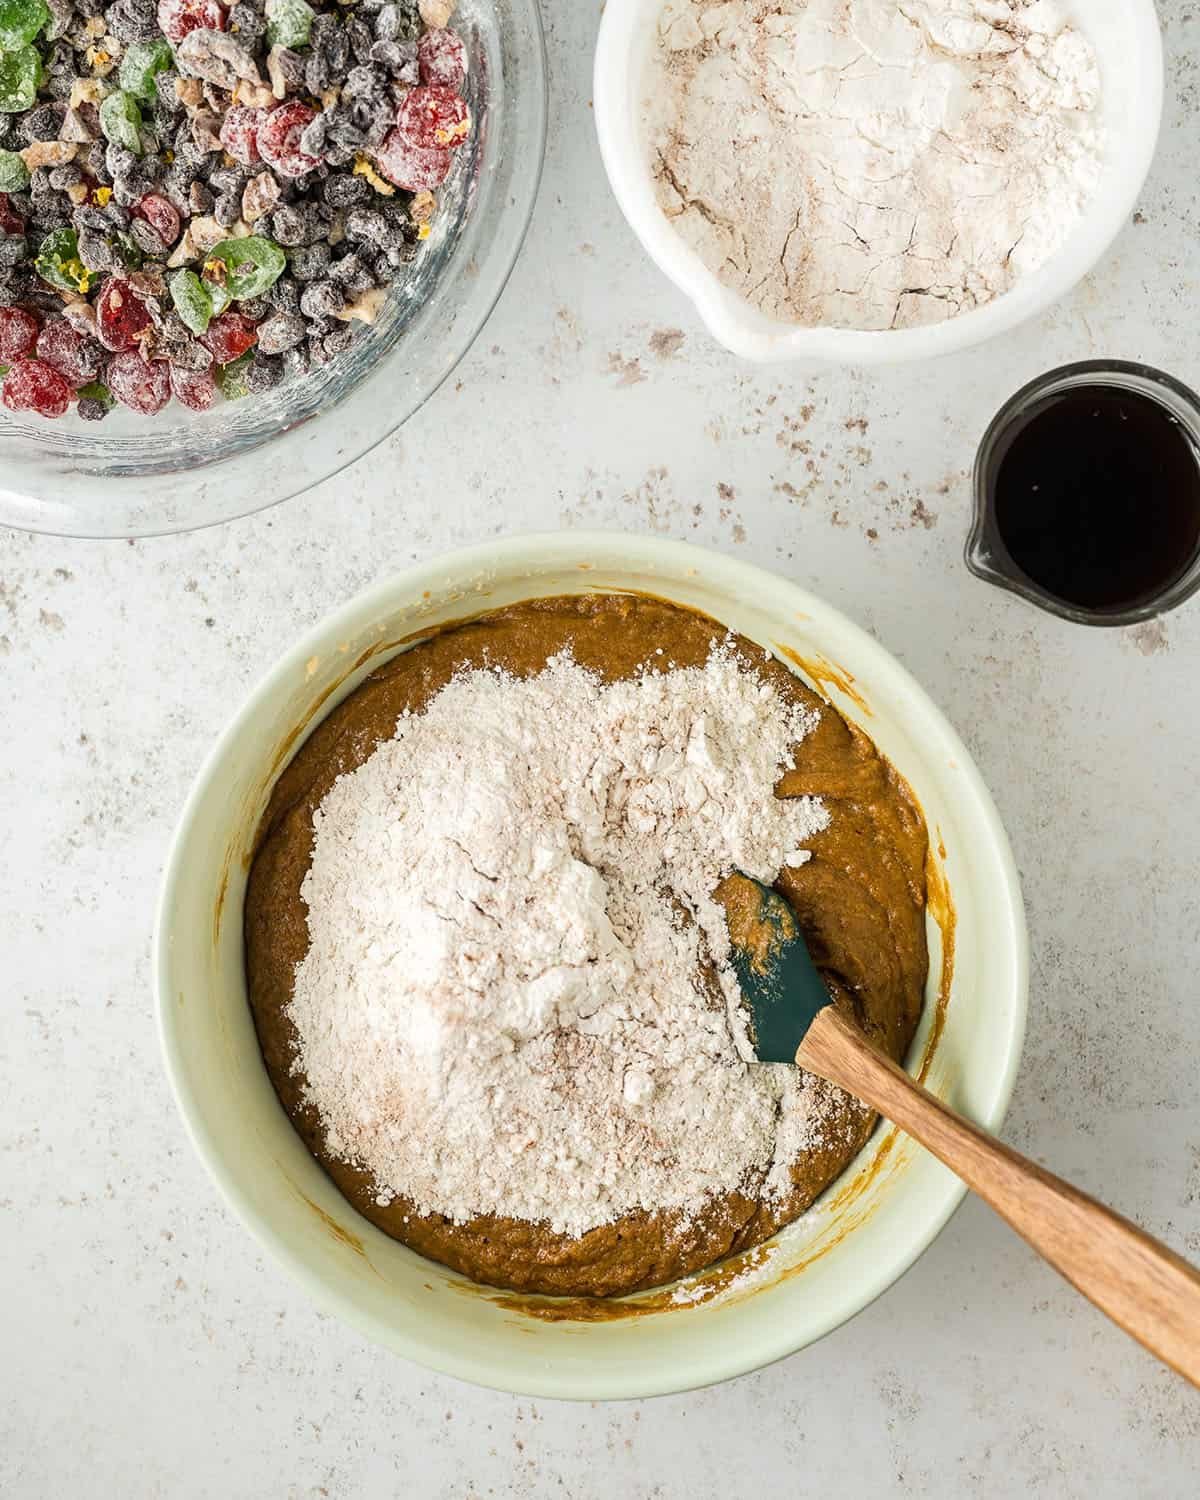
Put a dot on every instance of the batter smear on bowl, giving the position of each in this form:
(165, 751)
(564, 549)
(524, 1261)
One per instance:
(487, 966)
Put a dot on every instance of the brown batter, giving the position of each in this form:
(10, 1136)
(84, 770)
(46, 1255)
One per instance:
(860, 901)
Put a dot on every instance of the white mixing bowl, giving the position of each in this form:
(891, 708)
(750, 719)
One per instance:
(871, 1225)
(1128, 45)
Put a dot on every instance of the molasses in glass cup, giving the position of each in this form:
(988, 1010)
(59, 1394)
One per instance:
(1087, 494)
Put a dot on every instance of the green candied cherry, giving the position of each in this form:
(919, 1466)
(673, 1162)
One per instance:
(20, 22)
(191, 299)
(121, 121)
(97, 391)
(289, 22)
(128, 249)
(142, 63)
(58, 262)
(252, 265)
(14, 174)
(20, 79)
(231, 378)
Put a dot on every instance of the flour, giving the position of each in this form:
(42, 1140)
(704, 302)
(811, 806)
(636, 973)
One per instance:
(503, 1008)
(871, 164)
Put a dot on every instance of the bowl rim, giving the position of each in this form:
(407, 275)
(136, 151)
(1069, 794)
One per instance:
(1104, 216)
(40, 512)
(418, 1341)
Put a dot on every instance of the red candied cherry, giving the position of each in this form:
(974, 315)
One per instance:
(433, 117)
(143, 385)
(442, 59)
(177, 17)
(239, 133)
(18, 333)
(33, 386)
(279, 139)
(121, 315)
(11, 221)
(194, 388)
(228, 336)
(414, 168)
(75, 358)
(161, 215)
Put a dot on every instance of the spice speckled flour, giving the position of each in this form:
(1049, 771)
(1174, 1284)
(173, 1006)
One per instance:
(516, 998)
(871, 164)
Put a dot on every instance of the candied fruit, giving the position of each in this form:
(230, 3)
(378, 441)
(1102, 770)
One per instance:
(11, 221)
(239, 133)
(20, 75)
(245, 267)
(143, 385)
(14, 174)
(177, 17)
(20, 22)
(140, 66)
(18, 334)
(121, 121)
(122, 317)
(58, 262)
(442, 59)
(161, 215)
(279, 139)
(31, 385)
(194, 388)
(432, 117)
(75, 358)
(232, 378)
(289, 23)
(229, 336)
(414, 168)
(191, 300)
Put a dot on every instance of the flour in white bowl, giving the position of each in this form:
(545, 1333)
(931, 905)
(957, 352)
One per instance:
(503, 1006)
(871, 164)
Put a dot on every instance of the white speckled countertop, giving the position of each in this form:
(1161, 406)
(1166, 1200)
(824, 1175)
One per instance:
(150, 1350)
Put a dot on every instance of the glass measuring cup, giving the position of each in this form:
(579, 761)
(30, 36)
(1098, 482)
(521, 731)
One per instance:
(988, 557)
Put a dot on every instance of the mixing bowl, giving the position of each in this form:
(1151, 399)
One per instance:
(1128, 45)
(137, 476)
(869, 1227)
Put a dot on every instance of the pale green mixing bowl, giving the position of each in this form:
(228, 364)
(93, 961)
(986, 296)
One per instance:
(872, 1224)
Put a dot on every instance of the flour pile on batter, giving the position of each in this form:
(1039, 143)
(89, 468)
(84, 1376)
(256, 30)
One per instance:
(871, 164)
(504, 1007)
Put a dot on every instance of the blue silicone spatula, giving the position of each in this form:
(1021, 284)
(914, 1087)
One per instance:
(1142, 1285)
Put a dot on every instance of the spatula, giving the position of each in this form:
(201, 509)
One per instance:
(1145, 1288)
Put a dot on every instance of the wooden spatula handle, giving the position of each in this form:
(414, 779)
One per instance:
(1146, 1288)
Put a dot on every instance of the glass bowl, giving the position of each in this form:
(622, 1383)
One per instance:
(140, 476)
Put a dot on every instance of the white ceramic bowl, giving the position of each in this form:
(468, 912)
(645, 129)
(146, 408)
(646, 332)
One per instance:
(1128, 44)
(871, 1225)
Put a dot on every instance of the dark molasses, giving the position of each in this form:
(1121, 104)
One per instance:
(1096, 496)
